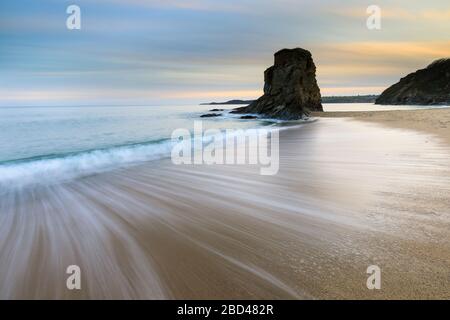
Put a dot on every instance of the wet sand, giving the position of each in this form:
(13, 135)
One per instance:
(434, 121)
(348, 195)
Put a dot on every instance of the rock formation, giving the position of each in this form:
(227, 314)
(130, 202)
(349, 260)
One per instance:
(210, 115)
(427, 86)
(290, 87)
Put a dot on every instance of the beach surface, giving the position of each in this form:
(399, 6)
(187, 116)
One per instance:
(349, 194)
(435, 121)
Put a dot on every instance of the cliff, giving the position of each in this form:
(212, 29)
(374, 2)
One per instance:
(429, 86)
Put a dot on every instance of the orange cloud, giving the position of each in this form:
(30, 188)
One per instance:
(228, 95)
(388, 49)
(348, 70)
(437, 15)
(81, 94)
(376, 58)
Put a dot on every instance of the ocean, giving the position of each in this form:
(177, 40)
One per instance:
(41, 144)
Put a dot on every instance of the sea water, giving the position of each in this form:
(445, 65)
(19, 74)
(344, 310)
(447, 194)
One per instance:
(39, 144)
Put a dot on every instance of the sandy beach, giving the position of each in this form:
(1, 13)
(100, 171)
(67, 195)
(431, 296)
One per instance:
(349, 194)
(434, 121)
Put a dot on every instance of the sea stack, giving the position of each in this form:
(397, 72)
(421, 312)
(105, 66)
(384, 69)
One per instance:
(429, 86)
(290, 87)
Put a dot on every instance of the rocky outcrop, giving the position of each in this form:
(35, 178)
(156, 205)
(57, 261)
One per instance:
(210, 115)
(290, 87)
(429, 86)
(235, 101)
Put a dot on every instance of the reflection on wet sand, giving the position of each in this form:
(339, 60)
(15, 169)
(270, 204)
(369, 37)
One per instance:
(348, 195)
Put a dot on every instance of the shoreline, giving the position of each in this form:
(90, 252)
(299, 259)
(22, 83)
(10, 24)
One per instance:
(340, 203)
(435, 121)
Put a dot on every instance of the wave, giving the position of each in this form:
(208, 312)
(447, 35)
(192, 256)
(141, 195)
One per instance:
(51, 168)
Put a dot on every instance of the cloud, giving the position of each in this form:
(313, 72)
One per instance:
(377, 64)
(407, 13)
(436, 15)
(385, 50)
(92, 96)
(196, 5)
(386, 12)
(377, 57)
(351, 90)
(165, 49)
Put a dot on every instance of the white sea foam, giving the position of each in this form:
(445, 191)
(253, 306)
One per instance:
(49, 170)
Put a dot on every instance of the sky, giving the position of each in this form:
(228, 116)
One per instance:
(157, 52)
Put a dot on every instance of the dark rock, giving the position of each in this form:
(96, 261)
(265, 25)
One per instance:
(249, 117)
(215, 110)
(238, 110)
(290, 87)
(247, 102)
(429, 86)
(210, 115)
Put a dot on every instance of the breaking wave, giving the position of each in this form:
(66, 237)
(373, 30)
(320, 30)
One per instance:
(47, 169)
